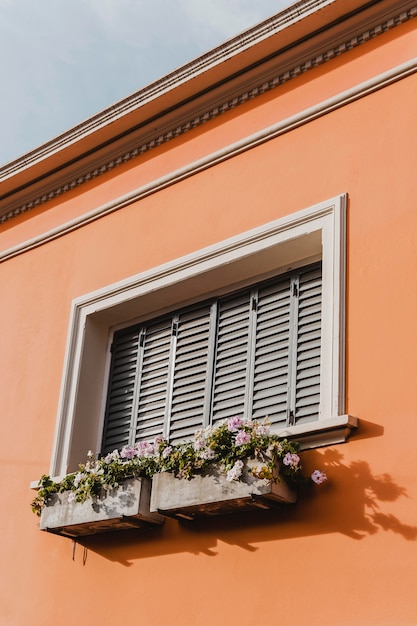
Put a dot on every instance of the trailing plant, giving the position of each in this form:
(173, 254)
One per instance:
(227, 445)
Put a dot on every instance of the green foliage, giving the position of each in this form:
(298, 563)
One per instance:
(227, 445)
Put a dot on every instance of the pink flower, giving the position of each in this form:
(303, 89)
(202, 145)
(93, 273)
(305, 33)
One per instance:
(318, 477)
(166, 451)
(291, 459)
(234, 424)
(144, 449)
(128, 452)
(199, 444)
(261, 429)
(242, 437)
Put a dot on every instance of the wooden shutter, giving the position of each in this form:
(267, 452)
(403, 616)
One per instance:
(155, 357)
(270, 381)
(253, 354)
(232, 357)
(118, 417)
(191, 386)
(307, 383)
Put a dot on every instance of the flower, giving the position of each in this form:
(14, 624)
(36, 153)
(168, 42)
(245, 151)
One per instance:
(208, 454)
(128, 452)
(291, 460)
(261, 429)
(112, 456)
(235, 472)
(78, 478)
(228, 445)
(234, 423)
(318, 477)
(166, 452)
(144, 449)
(242, 437)
(199, 440)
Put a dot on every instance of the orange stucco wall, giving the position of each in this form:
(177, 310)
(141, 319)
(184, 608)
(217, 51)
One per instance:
(346, 555)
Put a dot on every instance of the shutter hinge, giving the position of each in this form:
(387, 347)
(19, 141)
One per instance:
(295, 290)
(174, 328)
(291, 418)
(254, 303)
(142, 339)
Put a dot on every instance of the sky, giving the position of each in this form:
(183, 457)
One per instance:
(62, 61)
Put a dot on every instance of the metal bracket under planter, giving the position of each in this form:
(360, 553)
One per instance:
(123, 508)
(212, 494)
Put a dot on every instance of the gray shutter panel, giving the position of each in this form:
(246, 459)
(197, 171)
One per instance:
(270, 386)
(254, 354)
(153, 382)
(120, 398)
(232, 358)
(190, 390)
(307, 384)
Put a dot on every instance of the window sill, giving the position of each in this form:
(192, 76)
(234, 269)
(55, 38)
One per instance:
(322, 433)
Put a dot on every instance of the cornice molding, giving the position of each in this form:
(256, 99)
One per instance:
(284, 126)
(190, 70)
(214, 112)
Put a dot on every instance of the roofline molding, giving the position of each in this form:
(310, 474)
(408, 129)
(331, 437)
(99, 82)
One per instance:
(284, 126)
(262, 31)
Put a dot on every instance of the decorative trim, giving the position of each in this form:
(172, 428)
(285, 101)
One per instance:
(216, 111)
(321, 230)
(284, 126)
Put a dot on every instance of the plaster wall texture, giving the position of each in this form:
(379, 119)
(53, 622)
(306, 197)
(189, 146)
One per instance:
(345, 556)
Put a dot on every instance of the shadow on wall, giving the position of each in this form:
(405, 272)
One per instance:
(351, 503)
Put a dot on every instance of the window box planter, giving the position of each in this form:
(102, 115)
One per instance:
(212, 494)
(122, 508)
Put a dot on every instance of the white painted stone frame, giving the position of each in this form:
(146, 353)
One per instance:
(291, 241)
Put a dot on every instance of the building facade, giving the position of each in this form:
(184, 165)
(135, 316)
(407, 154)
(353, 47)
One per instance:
(280, 161)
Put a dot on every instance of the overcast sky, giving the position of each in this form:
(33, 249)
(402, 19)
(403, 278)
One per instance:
(62, 61)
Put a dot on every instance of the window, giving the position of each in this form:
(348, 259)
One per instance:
(220, 276)
(253, 353)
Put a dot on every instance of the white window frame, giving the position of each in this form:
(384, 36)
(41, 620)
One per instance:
(317, 232)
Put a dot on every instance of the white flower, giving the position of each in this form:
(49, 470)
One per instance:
(78, 478)
(235, 472)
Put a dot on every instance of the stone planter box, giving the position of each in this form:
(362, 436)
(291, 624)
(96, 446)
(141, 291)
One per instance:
(119, 509)
(212, 494)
